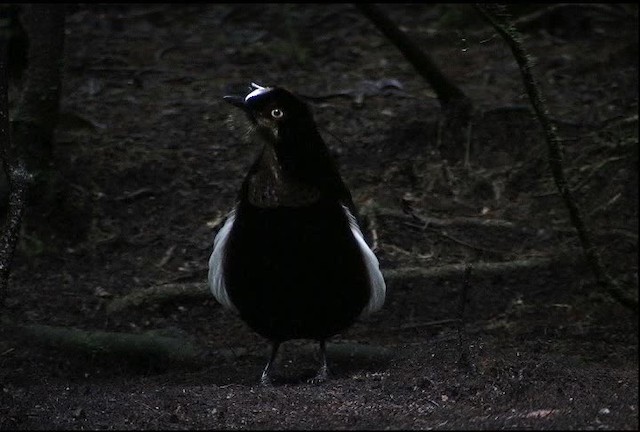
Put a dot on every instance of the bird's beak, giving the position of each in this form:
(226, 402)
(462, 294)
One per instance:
(237, 101)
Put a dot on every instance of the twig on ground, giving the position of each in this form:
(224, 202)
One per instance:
(480, 269)
(167, 256)
(159, 294)
(421, 325)
(605, 205)
(368, 212)
(463, 344)
(527, 22)
(467, 244)
(596, 168)
(426, 221)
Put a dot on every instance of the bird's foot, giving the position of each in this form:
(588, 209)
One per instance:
(265, 381)
(321, 377)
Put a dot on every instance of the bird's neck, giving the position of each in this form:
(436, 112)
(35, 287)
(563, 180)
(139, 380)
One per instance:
(270, 184)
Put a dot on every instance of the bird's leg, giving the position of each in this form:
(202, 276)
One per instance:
(265, 379)
(323, 372)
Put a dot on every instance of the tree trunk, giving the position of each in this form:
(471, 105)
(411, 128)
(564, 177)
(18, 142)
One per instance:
(18, 178)
(456, 106)
(37, 110)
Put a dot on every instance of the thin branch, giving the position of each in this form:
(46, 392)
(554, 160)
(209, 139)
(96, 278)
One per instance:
(512, 37)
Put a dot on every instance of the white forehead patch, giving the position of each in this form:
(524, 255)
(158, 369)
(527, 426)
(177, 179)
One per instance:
(258, 91)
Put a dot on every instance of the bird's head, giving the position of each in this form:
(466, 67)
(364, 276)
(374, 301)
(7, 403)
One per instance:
(286, 124)
(276, 113)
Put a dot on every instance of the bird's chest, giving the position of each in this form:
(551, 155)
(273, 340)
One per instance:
(291, 233)
(270, 187)
(292, 244)
(267, 190)
(295, 271)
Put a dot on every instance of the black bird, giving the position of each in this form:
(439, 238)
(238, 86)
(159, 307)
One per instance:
(290, 258)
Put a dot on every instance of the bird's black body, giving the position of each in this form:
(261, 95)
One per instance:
(295, 272)
(291, 259)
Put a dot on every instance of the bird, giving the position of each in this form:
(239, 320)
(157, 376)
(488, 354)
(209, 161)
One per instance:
(290, 258)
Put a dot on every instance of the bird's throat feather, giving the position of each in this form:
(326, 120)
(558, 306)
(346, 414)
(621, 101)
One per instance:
(270, 186)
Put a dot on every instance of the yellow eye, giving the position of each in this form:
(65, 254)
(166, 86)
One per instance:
(276, 113)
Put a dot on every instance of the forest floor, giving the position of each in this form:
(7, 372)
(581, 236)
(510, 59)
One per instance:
(151, 159)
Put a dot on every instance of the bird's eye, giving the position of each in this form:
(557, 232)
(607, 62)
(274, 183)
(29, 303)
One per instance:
(276, 113)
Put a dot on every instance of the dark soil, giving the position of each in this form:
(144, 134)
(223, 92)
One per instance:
(151, 159)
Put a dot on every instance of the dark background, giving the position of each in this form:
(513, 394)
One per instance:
(151, 159)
